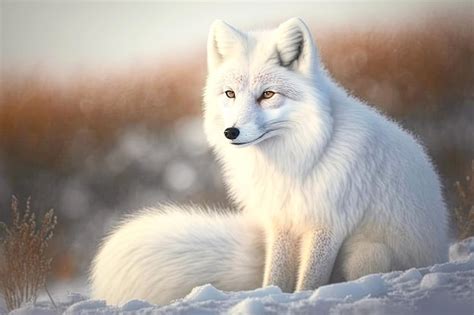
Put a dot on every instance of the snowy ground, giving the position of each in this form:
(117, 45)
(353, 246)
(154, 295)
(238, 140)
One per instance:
(440, 289)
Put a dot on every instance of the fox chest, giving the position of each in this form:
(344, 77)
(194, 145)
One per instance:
(269, 194)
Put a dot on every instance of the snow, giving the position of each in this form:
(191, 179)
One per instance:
(434, 280)
(446, 288)
(248, 307)
(371, 285)
(85, 306)
(204, 293)
(135, 305)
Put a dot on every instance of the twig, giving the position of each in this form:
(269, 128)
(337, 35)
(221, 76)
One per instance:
(50, 297)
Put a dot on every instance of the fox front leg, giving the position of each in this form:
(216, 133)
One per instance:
(319, 249)
(281, 260)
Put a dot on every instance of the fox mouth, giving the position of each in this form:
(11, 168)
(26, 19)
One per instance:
(273, 127)
(256, 140)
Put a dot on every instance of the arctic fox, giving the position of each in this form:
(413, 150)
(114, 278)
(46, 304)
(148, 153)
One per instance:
(329, 189)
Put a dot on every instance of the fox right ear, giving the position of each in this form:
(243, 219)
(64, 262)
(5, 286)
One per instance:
(223, 41)
(295, 48)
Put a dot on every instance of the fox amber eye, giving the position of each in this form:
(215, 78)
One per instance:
(267, 94)
(230, 94)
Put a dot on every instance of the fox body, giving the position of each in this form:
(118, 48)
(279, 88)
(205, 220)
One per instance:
(324, 173)
(329, 189)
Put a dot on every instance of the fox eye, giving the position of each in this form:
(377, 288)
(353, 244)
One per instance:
(267, 94)
(230, 94)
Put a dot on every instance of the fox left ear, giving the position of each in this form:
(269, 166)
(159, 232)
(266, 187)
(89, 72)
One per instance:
(295, 48)
(223, 41)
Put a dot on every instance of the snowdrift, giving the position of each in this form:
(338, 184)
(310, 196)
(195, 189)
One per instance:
(440, 289)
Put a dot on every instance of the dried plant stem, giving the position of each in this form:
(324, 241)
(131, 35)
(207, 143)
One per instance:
(24, 264)
(464, 211)
(50, 297)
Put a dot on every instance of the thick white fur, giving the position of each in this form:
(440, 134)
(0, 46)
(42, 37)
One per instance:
(159, 255)
(329, 187)
(330, 172)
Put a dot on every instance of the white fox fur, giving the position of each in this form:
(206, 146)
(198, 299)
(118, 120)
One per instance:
(329, 186)
(324, 173)
(159, 255)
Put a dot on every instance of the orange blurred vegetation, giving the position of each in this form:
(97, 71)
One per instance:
(401, 71)
(39, 118)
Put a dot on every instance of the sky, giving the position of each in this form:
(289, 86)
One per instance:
(70, 35)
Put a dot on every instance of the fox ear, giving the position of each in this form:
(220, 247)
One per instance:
(223, 41)
(295, 48)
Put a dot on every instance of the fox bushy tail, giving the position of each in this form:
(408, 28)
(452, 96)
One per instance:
(160, 254)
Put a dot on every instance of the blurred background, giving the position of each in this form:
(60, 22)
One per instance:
(100, 104)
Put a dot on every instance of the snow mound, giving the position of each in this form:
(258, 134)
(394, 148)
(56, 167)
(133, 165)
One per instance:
(434, 280)
(440, 289)
(205, 293)
(135, 305)
(85, 305)
(371, 285)
(248, 307)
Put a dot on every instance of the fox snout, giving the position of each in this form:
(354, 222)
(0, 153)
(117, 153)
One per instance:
(231, 133)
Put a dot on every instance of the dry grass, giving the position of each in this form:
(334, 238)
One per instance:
(24, 263)
(47, 116)
(404, 70)
(464, 211)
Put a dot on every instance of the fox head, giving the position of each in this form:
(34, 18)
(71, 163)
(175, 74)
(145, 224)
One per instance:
(263, 86)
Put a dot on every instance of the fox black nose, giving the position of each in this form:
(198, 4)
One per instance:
(231, 133)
